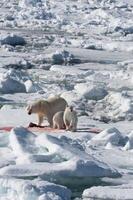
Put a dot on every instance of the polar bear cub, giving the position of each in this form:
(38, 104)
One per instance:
(66, 119)
(47, 108)
(70, 118)
(58, 120)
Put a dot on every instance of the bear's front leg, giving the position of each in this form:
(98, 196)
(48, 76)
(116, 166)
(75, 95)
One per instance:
(50, 121)
(54, 125)
(40, 119)
(67, 125)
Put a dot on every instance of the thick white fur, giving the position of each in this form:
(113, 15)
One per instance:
(70, 119)
(58, 120)
(47, 108)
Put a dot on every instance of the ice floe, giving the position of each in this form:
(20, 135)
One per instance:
(81, 50)
(10, 85)
(108, 137)
(69, 159)
(109, 192)
(91, 92)
(12, 40)
(35, 189)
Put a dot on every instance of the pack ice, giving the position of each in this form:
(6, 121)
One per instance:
(82, 51)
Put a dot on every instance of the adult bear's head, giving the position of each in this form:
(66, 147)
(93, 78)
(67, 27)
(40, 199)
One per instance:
(37, 107)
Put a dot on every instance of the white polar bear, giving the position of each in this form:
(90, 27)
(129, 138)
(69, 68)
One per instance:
(70, 118)
(47, 108)
(58, 120)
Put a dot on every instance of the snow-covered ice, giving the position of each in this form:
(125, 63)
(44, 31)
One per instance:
(10, 85)
(32, 189)
(109, 192)
(82, 51)
(12, 40)
(108, 136)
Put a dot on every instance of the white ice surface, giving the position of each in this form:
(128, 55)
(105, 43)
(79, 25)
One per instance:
(32, 189)
(17, 118)
(109, 136)
(10, 85)
(124, 191)
(91, 41)
(11, 39)
(69, 159)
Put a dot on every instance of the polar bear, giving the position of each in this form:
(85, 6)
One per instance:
(58, 120)
(47, 108)
(70, 118)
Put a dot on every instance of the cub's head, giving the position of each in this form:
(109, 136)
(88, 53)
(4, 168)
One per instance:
(69, 108)
(36, 107)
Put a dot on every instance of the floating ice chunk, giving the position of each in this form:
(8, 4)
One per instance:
(17, 75)
(25, 3)
(32, 189)
(10, 85)
(115, 106)
(22, 141)
(129, 144)
(57, 58)
(70, 96)
(74, 167)
(62, 57)
(31, 87)
(49, 196)
(12, 40)
(112, 136)
(90, 92)
(122, 192)
(70, 160)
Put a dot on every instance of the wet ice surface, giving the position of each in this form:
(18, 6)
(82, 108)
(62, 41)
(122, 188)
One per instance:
(81, 50)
